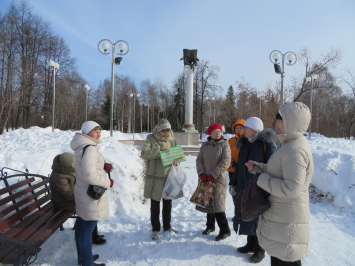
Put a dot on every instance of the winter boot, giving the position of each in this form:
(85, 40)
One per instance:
(98, 240)
(101, 264)
(94, 257)
(155, 235)
(222, 222)
(249, 247)
(208, 231)
(259, 252)
(172, 230)
(222, 235)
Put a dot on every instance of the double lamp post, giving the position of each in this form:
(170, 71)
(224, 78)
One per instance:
(115, 61)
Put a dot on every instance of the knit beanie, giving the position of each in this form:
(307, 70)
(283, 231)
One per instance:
(163, 124)
(254, 123)
(239, 122)
(88, 126)
(66, 158)
(213, 127)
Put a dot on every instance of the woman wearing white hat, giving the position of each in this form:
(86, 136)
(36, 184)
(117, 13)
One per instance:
(91, 169)
(255, 144)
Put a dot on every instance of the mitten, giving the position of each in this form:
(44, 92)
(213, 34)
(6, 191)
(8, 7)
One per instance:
(232, 191)
(108, 167)
(210, 178)
(111, 180)
(203, 177)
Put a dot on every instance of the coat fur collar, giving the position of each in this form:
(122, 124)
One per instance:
(265, 136)
(213, 143)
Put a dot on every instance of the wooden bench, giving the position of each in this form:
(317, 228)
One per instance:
(27, 216)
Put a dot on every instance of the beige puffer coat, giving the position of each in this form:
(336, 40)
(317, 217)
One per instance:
(284, 230)
(214, 159)
(156, 173)
(90, 171)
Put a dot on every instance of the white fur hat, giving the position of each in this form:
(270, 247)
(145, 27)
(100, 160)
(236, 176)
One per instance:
(88, 126)
(254, 123)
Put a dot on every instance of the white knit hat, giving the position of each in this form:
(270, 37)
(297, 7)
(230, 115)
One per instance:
(88, 126)
(254, 123)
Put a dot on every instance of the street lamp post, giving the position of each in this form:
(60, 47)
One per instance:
(87, 88)
(55, 66)
(115, 61)
(260, 96)
(310, 79)
(214, 109)
(291, 58)
(132, 95)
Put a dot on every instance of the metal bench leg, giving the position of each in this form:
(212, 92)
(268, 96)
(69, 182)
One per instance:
(61, 228)
(74, 225)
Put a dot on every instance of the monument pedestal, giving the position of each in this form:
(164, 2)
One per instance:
(187, 137)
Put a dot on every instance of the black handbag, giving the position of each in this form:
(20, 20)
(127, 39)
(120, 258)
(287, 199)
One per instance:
(95, 192)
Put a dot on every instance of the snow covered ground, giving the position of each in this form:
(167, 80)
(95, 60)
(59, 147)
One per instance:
(128, 229)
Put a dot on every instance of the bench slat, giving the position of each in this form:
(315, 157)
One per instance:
(27, 227)
(21, 226)
(17, 185)
(22, 213)
(23, 202)
(23, 192)
(38, 238)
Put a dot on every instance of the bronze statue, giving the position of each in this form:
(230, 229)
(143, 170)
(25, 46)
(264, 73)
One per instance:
(179, 103)
(190, 57)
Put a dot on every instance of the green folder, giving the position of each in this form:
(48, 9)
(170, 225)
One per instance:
(168, 156)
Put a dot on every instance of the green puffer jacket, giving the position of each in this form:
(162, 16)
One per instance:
(156, 173)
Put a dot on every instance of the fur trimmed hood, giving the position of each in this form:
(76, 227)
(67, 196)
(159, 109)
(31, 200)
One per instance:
(265, 136)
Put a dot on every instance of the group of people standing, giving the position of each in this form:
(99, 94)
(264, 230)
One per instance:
(281, 163)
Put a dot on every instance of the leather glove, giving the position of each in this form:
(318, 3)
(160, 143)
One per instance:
(108, 167)
(111, 180)
(203, 177)
(232, 191)
(210, 178)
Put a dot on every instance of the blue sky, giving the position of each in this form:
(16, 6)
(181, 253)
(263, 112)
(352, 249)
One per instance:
(236, 35)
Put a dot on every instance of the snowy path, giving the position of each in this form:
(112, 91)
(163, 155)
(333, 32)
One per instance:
(129, 242)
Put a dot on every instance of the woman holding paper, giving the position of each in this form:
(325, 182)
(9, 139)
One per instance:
(162, 138)
(212, 163)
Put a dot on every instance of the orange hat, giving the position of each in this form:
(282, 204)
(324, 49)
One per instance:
(239, 122)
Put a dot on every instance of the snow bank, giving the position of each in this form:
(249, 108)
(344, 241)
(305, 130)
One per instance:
(35, 149)
(334, 161)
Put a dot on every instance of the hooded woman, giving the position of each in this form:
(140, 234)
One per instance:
(255, 144)
(238, 128)
(91, 169)
(284, 230)
(212, 163)
(162, 138)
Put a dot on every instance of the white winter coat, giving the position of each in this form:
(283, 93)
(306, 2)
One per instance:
(284, 230)
(90, 171)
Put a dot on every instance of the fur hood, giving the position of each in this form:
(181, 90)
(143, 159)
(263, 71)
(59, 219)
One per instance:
(265, 136)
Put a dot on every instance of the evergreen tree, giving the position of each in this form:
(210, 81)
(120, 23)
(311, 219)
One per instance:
(232, 111)
(106, 112)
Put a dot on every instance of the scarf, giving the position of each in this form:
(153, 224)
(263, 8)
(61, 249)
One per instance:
(254, 138)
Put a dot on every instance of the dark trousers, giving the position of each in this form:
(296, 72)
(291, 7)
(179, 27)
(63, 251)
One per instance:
(83, 240)
(221, 219)
(155, 212)
(277, 262)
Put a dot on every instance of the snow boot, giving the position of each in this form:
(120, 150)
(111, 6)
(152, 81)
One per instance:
(101, 264)
(222, 235)
(155, 235)
(259, 252)
(94, 257)
(172, 230)
(208, 231)
(98, 240)
(249, 247)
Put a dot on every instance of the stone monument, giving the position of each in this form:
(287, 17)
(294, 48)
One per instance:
(189, 135)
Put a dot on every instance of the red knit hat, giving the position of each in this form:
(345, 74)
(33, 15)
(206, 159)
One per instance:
(213, 127)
